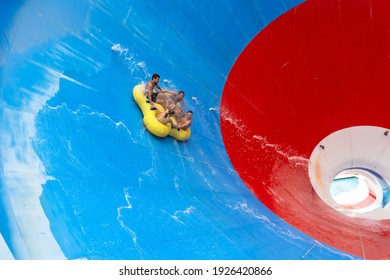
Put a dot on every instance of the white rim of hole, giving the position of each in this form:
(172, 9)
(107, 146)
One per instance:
(349, 170)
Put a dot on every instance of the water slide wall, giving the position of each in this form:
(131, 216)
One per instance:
(81, 177)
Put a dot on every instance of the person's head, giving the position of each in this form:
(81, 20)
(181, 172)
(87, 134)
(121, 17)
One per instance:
(156, 78)
(180, 94)
(189, 114)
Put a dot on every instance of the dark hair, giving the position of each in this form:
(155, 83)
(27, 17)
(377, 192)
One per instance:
(189, 111)
(155, 76)
(180, 91)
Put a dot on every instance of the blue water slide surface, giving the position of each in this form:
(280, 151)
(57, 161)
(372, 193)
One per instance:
(81, 177)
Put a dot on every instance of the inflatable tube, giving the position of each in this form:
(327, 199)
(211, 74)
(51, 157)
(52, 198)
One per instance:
(151, 123)
(182, 134)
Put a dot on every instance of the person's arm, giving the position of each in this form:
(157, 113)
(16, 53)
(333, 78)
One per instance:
(183, 105)
(152, 105)
(168, 91)
(186, 124)
(162, 115)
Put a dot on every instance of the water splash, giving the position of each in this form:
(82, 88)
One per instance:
(120, 216)
(133, 66)
(179, 214)
(285, 152)
(118, 48)
(238, 123)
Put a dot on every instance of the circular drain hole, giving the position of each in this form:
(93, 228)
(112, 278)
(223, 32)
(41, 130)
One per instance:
(357, 190)
(350, 170)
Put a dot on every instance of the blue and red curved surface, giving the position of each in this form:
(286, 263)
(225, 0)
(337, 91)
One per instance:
(267, 80)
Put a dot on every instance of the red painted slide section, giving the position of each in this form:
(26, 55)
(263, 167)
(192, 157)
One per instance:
(319, 68)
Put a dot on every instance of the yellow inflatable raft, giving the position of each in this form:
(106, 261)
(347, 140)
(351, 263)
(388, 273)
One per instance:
(151, 123)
